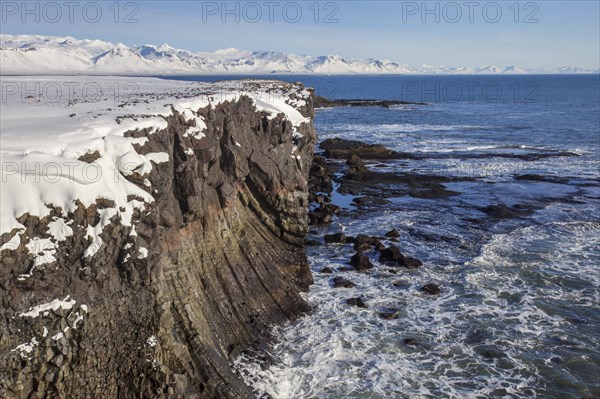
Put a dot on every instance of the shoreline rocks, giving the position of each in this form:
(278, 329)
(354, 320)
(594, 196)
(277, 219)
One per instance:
(338, 148)
(322, 102)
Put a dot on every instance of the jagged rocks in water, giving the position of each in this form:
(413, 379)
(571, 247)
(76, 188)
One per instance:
(340, 282)
(323, 214)
(392, 255)
(312, 243)
(392, 234)
(410, 263)
(320, 180)
(336, 238)
(356, 166)
(431, 289)
(361, 262)
(504, 212)
(326, 270)
(358, 302)
(322, 102)
(362, 246)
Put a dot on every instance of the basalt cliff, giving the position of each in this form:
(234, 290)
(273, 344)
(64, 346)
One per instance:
(154, 300)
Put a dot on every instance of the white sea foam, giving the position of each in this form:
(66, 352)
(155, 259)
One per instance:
(497, 314)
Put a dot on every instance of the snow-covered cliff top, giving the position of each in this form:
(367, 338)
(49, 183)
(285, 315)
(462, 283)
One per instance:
(49, 124)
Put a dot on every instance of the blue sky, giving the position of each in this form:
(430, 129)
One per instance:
(527, 33)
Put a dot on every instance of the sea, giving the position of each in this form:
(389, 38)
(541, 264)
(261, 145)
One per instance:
(519, 311)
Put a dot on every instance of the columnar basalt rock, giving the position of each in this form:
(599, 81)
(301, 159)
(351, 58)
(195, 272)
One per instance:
(162, 308)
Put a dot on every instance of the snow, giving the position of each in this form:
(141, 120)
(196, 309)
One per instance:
(53, 305)
(58, 336)
(152, 341)
(43, 137)
(59, 229)
(35, 54)
(158, 157)
(143, 253)
(26, 348)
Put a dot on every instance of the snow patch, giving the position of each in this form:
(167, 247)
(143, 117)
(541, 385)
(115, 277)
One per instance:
(45, 308)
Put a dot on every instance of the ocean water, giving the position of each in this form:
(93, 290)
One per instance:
(519, 312)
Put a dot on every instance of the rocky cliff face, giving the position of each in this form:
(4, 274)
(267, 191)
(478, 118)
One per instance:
(201, 273)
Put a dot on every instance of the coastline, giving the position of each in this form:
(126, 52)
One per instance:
(152, 288)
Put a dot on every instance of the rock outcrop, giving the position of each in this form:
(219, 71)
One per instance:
(203, 272)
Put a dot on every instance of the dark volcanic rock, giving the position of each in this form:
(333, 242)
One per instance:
(358, 302)
(225, 261)
(322, 102)
(392, 255)
(401, 284)
(410, 263)
(389, 313)
(361, 262)
(410, 342)
(393, 233)
(362, 246)
(312, 243)
(546, 179)
(505, 212)
(343, 149)
(326, 270)
(340, 282)
(530, 156)
(356, 166)
(490, 352)
(319, 180)
(431, 289)
(336, 238)
(323, 214)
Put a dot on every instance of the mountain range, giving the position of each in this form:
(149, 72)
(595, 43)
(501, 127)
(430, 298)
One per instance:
(36, 54)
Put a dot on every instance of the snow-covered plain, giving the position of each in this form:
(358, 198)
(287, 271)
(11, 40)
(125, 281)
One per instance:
(49, 123)
(34, 54)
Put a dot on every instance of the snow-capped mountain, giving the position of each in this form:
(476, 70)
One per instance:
(35, 54)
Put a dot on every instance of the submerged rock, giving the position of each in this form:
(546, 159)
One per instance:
(389, 313)
(490, 352)
(410, 341)
(392, 255)
(336, 238)
(358, 302)
(340, 282)
(431, 289)
(393, 233)
(504, 212)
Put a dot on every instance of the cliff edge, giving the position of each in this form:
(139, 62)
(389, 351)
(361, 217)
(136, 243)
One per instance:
(148, 236)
